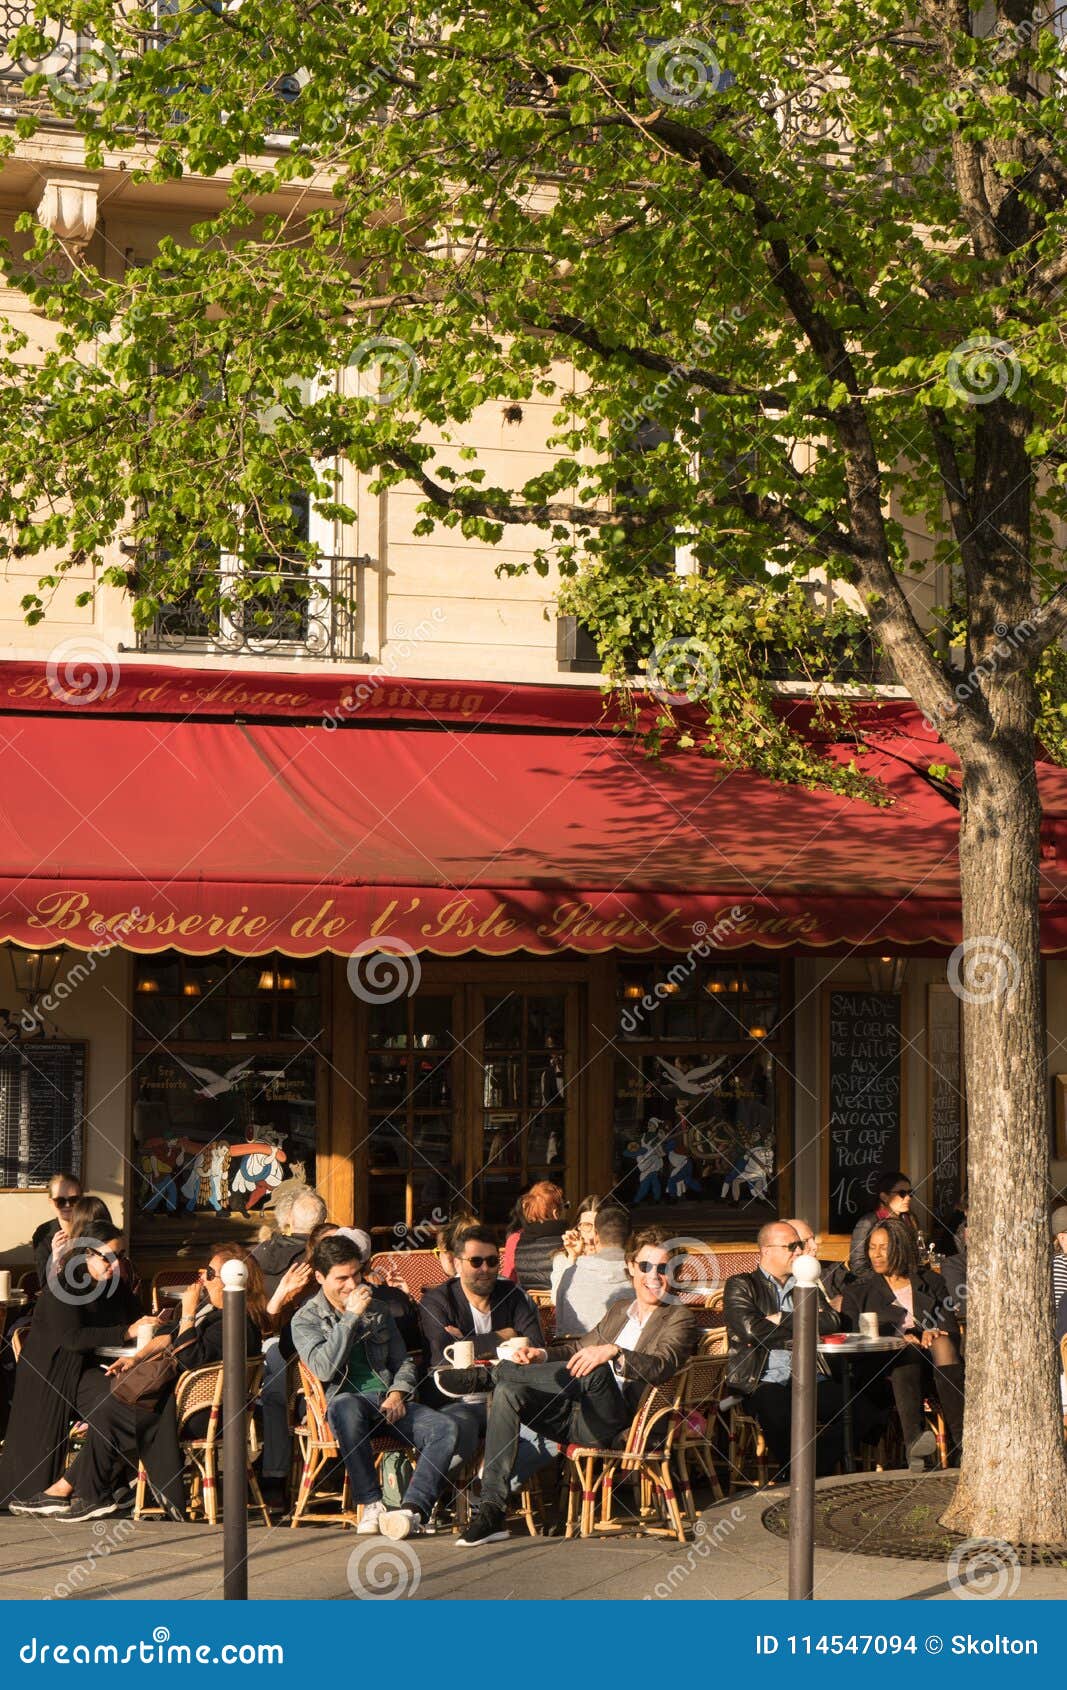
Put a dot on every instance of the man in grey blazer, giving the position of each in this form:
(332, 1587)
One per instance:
(584, 1390)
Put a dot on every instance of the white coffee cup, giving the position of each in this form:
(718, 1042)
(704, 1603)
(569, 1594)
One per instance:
(5, 1284)
(506, 1350)
(868, 1325)
(460, 1354)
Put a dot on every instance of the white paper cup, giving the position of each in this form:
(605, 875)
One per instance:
(868, 1325)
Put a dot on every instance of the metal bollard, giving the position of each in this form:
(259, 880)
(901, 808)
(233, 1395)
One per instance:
(234, 1433)
(806, 1272)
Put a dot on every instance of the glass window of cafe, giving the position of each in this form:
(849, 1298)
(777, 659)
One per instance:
(702, 1054)
(226, 1073)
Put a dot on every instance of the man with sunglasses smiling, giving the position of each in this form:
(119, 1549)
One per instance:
(584, 1390)
(759, 1324)
(480, 1306)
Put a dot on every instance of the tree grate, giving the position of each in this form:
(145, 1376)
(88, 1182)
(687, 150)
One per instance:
(898, 1518)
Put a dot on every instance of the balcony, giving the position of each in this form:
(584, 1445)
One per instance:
(314, 614)
(76, 63)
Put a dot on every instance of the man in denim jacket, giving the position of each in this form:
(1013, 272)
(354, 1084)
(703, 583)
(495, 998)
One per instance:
(349, 1340)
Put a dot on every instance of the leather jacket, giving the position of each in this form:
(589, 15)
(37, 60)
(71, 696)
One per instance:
(748, 1299)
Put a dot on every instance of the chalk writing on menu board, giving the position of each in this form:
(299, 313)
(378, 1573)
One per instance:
(864, 1098)
(945, 1099)
(42, 1112)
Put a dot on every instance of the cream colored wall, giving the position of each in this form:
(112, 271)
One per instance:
(434, 605)
(95, 1011)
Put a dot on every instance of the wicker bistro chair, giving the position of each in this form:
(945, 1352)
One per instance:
(200, 1389)
(168, 1285)
(745, 1444)
(317, 1450)
(663, 1428)
(695, 1437)
(545, 1304)
(419, 1269)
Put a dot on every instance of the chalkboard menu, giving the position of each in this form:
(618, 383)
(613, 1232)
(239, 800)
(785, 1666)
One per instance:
(944, 1100)
(42, 1112)
(864, 1094)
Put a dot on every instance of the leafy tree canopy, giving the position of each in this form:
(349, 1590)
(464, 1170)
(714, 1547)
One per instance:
(807, 261)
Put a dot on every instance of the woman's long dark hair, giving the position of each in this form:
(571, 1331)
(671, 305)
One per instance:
(255, 1291)
(90, 1218)
(903, 1252)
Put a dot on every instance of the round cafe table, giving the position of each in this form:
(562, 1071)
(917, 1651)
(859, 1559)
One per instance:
(846, 1354)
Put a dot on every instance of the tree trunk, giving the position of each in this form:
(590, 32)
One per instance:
(1013, 1483)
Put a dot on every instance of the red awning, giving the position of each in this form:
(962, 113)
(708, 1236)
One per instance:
(524, 823)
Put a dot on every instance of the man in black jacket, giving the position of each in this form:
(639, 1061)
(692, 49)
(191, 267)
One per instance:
(276, 1254)
(759, 1323)
(480, 1306)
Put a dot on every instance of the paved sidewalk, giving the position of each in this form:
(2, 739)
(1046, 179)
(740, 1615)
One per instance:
(735, 1557)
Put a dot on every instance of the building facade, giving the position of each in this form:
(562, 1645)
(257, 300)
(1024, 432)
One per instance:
(379, 898)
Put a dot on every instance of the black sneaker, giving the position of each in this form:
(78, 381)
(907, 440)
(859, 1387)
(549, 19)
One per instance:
(487, 1527)
(463, 1381)
(42, 1504)
(80, 1509)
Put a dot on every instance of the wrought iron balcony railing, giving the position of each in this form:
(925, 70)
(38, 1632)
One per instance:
(315, 613)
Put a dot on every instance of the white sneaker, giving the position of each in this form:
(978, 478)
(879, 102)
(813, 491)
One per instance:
(370, 1525)
(398, 1523)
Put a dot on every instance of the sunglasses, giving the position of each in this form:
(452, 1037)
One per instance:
(481, 1261)
(901, 1191)
(107, 1255)
(211, 1273)
(792, 1248)
(660, 1268)
(64, 1202)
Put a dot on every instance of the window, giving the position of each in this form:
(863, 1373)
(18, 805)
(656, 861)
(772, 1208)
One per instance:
(226, 1061)
(411, 1094)
(697, 1083)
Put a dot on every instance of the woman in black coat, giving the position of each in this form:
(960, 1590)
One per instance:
(58, 1380)
(121, 1433)
(912, 1303)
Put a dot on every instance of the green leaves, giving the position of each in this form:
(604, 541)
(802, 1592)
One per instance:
(420, 218)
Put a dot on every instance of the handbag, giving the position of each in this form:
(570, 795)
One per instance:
(147, 1381)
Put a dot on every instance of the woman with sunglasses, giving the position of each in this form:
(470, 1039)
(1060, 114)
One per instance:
(894, 1198)
(83, 1306)
(52, 1235)
(911, 1302)
(120, 1434)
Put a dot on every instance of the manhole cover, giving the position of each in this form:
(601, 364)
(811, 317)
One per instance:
(897, 1518)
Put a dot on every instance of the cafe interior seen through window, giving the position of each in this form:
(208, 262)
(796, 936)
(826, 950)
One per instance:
(697, 1078)
(225, 1068)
